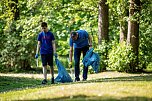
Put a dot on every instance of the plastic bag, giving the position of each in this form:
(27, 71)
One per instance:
(63, 75)
(87, 57)
(91, 59)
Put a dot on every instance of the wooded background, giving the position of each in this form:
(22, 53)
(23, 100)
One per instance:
(121, 31)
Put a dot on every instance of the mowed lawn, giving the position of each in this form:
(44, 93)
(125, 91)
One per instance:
(105, 86)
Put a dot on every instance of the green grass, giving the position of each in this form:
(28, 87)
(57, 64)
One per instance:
(106, 86)
(15, 83)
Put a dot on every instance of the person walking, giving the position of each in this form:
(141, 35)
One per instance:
(81, 41)
(47, 47)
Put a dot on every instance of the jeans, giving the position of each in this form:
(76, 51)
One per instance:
(77, 54)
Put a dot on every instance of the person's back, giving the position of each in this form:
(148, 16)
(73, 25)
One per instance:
(82, 39)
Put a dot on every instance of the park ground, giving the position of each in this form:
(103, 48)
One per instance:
(104, 86)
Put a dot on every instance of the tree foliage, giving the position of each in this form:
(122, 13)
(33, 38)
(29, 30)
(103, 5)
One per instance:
(18, 38)
(120, 56)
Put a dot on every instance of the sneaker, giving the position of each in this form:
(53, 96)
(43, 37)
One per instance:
(77, 79)
(52, 80)
(44, 81)
(84, 79)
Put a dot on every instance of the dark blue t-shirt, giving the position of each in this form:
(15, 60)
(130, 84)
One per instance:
(82, 40)
(46, 42)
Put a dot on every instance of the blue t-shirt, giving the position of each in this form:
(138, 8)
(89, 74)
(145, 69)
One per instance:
(82, 40)
(46, 42)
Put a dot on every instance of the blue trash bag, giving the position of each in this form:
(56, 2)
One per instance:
(63, 75)
(91, 59)
(87, 57)
(95, 64)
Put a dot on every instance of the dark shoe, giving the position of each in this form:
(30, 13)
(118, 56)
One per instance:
(44, 81)
(52, 80)
(84, 79)
(77, 79)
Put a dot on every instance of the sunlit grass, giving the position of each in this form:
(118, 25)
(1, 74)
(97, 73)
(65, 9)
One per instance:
(105, 86)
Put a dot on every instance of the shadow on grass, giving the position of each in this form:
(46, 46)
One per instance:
(129, 78)
(8, 83)
(96, 98)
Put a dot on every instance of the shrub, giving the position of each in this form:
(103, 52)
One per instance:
(120, 56)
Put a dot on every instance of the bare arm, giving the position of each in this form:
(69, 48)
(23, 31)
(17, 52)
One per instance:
(38, 47)
(54, 46)
(71, 54)
(90, 40)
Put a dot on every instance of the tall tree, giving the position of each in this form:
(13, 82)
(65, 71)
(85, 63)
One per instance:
(103, 21)
(103, 24)
(133, 30)
(14, 8)
(123, 12)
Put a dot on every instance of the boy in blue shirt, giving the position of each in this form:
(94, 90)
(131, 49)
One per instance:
(46, 44)
(81, 41)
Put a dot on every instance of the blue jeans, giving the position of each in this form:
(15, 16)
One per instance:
(77, 54)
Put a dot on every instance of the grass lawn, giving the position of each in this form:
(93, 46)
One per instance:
(105, 86)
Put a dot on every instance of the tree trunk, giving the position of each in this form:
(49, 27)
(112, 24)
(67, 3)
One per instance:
(133, 31)
(15, 9)
(103, 21)
(123, 33)
(103, 24)
(124, 12)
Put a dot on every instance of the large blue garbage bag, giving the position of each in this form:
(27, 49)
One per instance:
(91, 59)
(63, 75)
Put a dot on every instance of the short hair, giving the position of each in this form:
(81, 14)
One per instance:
(73, 33)
(43, 24)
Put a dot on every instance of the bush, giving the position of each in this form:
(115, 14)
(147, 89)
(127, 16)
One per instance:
(102, 50)
(120, 56)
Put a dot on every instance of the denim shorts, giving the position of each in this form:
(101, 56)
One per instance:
(47, 59)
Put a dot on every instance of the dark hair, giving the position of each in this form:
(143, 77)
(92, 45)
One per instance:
(73, 33)
(43, 24)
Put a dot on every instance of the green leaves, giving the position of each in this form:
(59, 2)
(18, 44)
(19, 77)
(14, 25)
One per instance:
(18, 38)
(120, 56)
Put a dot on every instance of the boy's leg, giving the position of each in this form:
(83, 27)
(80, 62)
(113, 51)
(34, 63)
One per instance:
(50, 63)
(45, 72)
(52, 74)
(44, 63)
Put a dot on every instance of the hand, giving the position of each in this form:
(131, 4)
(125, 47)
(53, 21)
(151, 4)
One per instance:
(56, 55)
(36, 56)
(90, 45)
(70, 65)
